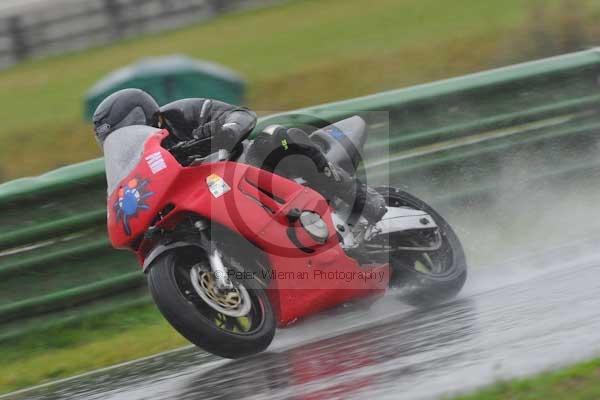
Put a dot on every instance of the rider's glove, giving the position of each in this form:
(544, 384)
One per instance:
(223, 136)
(210, 129)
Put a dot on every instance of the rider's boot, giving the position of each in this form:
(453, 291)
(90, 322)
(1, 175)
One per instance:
(365, 200)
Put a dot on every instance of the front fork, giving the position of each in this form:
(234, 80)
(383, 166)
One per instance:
(214, 257)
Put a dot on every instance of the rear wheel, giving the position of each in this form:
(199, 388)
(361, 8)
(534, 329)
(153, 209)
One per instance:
(229, 323)
(426, 277)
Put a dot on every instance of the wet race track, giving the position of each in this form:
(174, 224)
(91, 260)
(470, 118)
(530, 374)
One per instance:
(527, 314)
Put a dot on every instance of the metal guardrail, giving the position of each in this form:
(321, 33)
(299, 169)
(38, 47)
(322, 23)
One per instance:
(448, 142)
(59, 26)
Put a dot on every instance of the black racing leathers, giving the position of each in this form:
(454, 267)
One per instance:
(291, 153)
(225, 124)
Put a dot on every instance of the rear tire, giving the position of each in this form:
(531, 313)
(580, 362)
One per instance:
(416, 287)
(198, 322)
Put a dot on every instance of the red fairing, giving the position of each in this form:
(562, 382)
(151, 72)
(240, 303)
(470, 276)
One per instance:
(306, 276)
(132, 207)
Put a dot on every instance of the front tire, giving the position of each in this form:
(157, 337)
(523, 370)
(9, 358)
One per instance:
(173, 292)
(418, 286)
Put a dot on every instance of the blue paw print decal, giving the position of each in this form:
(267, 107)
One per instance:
(131, 200)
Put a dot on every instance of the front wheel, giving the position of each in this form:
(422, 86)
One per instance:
(231, 324)
(426, 277)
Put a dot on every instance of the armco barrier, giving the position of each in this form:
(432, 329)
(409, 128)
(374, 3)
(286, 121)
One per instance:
(41, 28)
(449, 142)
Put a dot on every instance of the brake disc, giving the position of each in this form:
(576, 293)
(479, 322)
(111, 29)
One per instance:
(233, 302)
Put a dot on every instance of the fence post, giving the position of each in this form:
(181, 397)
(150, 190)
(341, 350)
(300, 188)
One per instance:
(16, 31)
(218, 7)
(166, 5)
(113, 11)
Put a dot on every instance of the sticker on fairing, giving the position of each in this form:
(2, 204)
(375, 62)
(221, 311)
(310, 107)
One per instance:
(156, 162)
(217, 186)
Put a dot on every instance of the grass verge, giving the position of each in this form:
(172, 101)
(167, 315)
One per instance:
(580, 382)
(85, 345)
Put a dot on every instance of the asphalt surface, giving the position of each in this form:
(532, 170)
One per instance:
(531, 313)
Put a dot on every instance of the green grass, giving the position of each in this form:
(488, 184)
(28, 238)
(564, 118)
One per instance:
(297, 54)
(89, 344)
(581, 382)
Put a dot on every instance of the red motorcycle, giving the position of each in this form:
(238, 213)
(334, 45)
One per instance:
(232, 251)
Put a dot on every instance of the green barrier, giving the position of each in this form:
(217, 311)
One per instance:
(51, 229)
(444, 156)
(52, 257)
(71, 297)
(62, 179)
(446, 140)
(501, 121)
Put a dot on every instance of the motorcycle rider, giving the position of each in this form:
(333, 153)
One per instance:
(225, 126)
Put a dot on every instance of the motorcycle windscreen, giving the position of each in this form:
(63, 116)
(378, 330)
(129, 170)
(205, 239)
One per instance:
(123, 151)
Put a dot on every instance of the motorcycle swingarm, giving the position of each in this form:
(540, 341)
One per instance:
(403, 220)
(399, 219)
